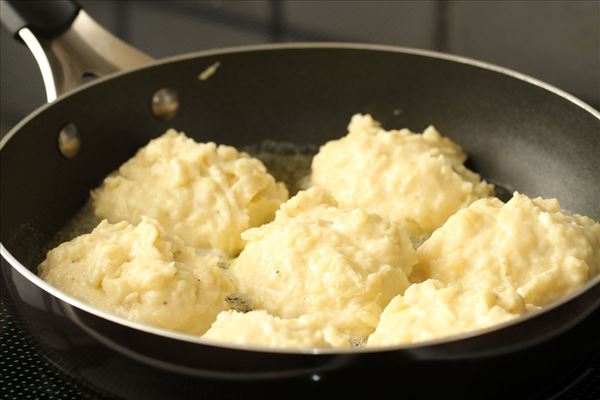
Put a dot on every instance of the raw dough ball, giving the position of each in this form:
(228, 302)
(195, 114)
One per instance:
(203, 193)
(259, 328)
(431, 310)
(141, 274)
(527, 244)
(316, 258)
(417, 181)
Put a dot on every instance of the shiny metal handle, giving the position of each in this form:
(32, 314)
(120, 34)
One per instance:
(84, 49)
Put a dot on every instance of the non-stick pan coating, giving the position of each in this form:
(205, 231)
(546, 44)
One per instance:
(516, 133)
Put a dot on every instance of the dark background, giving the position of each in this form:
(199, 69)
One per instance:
(556, 41)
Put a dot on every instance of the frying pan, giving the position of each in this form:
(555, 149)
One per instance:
(518, 131)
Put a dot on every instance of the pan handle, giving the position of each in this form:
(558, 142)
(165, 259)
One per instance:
(68, 45)
(44, 18)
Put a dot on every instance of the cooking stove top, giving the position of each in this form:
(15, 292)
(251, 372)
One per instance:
(25, 374)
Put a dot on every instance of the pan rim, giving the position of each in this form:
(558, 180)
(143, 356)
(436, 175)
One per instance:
(313, 45)
(37, 281)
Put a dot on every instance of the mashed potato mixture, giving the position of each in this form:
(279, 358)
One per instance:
(259, 328)
(205, 194)
(528, 245)
(142, 274)
(201, 239)
(414, 180)
(344, 265)
(431, 310)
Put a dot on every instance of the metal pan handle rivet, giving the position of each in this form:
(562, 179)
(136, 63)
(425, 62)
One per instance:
(165, 103)
(69, 141)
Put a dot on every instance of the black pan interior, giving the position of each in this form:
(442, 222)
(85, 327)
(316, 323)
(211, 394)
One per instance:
(516, 133)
